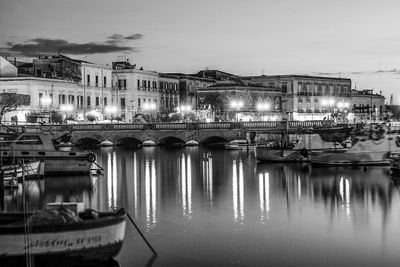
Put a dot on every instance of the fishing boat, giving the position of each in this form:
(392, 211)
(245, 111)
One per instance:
(370, 147)
(17, 171)
(40, 146)
(239, 144)
(58, 234)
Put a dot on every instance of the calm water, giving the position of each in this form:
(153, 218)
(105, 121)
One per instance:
(200, 207)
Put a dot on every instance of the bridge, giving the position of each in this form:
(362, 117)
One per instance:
(165, 133)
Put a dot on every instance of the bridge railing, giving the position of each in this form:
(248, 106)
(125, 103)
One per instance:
(250, 125)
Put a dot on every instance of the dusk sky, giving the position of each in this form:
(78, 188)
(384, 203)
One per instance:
(355, 38)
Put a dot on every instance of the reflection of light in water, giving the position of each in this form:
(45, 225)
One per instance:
(150, 192)
(238, 191)
(112, 180)
(135, 184)
(207, 177)
(186, 182)
(344, 190)
(298, 186)
(264, 195)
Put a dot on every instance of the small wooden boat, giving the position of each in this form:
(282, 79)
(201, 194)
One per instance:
(58, 234)
(239, 144)
(36, 145)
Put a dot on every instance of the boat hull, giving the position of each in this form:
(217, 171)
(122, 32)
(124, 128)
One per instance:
(59, 164)
(279, 155)
(96, 239)
(349, 159)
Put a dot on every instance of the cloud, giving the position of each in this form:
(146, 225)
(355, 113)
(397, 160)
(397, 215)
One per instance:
(32, 47)
(120, 39)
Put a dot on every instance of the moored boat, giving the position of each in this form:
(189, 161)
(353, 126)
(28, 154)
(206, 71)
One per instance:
(239, 144)
(37, 145)
(372, 147)
(59, 233)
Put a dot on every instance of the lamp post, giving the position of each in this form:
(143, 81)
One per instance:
(112, 110)
(330, 102)
(262, 106)
(66, 108)
(150, 107)
(236, 105)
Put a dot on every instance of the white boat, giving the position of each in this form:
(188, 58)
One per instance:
(17, 171)
(372, 147)
(39, 146)
(59, 234)
(239, 144)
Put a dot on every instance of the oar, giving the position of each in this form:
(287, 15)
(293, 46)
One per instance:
(144, 238)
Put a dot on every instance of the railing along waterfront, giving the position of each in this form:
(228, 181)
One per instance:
(250, 125)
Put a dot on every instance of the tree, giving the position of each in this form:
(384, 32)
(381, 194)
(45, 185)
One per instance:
(215, 100)
(11, 101)
(56, 117)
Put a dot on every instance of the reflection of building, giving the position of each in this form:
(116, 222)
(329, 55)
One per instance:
(367, 105)
(136, 89)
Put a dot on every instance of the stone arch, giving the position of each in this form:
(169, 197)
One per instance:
(170, 140)
(128, 141)
(214, 139)
(86, 141)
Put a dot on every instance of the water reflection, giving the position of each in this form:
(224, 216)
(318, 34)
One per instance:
(238, 190)
(199, 196)
(186, 184)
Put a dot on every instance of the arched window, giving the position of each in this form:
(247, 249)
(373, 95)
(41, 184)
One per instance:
(277, 103)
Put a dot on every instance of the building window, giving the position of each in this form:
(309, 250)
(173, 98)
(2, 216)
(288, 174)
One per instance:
(144, 84)
(138, 102)
(104, 81)
(88, 80)
(71, 99)
(88, 101)
(97, 80)
(105, 101)
(97, 101)
(122, 84)
(122, 102)
(284, 88)
(138, 84)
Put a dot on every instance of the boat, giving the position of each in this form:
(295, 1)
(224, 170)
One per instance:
(239, 144)
(370, 147)
(278, 153)
(60, 234)
(18, 171)
(32, 146)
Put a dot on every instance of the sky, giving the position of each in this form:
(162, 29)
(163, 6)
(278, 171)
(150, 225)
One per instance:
(357, 39)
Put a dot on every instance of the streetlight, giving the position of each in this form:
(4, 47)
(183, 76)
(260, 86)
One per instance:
(150, 107)
(262, 107)
(66, 108)
(111, 110)
(328, 102)
(237, 105)
(46, 101)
